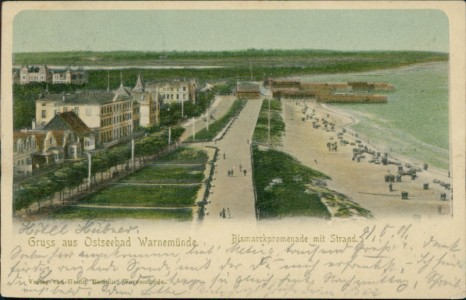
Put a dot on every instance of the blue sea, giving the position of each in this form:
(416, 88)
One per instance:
(414, 122)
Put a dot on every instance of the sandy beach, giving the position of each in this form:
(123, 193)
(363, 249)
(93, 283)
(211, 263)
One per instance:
(364, 182)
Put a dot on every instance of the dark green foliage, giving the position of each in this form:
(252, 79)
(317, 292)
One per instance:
(225, 88)
(277, 126)
(185, 155)
(168, 174)
(24, 104)
(170, 113)
(85, 213)
(290, 196)
(145, 196)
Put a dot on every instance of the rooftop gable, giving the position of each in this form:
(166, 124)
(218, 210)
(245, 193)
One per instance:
(68, 121)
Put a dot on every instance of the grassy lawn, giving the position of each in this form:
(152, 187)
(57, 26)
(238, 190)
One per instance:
(280, 182)
(277, 126)
(186, 156)
(92, 213)
(132, 191)
(218, 125)
(134, 195)
(167, 174)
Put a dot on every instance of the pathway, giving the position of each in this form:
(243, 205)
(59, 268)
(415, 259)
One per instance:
(217, 109)
(235, 193)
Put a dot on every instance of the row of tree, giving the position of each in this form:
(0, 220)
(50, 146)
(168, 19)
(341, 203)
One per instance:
(72, 176)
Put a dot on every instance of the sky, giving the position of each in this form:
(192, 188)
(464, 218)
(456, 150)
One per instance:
(196, 30)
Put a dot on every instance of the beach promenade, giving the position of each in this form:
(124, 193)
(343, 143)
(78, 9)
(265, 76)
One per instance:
(233, 195)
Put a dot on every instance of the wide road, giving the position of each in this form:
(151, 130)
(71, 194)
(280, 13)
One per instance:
(235, 193)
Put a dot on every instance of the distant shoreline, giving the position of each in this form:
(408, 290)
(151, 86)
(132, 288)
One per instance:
(404, 67)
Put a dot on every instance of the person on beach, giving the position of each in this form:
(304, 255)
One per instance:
(224, 156)
(245, 172)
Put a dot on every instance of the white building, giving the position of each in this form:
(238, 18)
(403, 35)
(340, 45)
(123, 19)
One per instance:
(174, 91)
(29, 74)
(146, 107)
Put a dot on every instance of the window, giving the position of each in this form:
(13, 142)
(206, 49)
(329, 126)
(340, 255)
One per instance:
(184, 89)
(44, 114)
(88, 111)
(76, 110)
(65, 109)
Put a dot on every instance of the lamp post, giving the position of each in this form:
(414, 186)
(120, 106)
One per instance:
(169, 135)
(208, 117)
(194, 132)
(268, 135)
(89, 168)
(182, 109)
(132, 154)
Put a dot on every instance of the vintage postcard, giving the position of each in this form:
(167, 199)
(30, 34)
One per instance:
(233, 149)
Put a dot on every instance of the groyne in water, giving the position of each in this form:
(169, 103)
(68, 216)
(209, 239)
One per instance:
(351, 98)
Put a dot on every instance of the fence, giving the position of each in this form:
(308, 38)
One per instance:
(202, 204)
